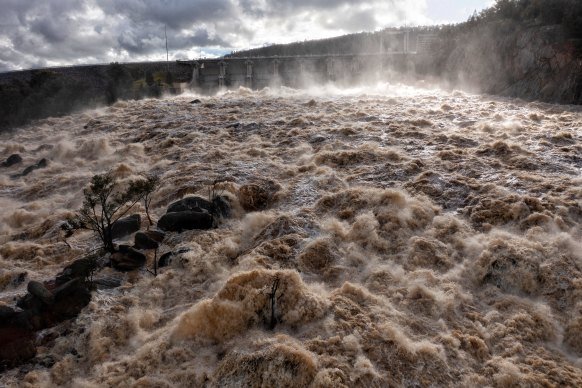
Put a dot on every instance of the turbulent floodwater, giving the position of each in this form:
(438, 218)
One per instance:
(420, 238)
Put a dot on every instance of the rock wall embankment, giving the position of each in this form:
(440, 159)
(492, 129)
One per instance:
(529, 62)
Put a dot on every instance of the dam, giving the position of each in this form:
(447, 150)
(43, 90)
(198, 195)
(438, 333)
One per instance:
(295, 71)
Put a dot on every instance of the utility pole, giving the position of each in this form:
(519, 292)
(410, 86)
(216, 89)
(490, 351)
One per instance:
(167, 55)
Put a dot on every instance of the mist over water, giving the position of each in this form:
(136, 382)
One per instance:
(420, 237)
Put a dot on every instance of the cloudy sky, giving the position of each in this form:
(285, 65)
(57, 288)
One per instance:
(38, 33)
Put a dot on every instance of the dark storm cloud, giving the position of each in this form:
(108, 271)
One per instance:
(144, 41)
(49, 29)
(173, 13)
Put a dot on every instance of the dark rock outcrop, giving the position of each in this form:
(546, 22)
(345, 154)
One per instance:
(185, 220)
(127, 259)
(16, 338)
(47, 304)
(12, 160)
(150, 239)
(526, 61)
(125, 226)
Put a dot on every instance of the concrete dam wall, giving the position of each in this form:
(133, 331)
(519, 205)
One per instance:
(296, 71)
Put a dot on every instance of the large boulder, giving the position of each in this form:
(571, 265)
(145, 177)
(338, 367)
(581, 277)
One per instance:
(150, 239)
(38, 290)
(218, 207)
(196, 204)
(127, 259)
(185, 220)
(16, 338)
(70, 299)
(125, 226)
(12, 160)
(47, 303)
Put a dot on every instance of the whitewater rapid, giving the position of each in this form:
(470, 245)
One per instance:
(420, 238)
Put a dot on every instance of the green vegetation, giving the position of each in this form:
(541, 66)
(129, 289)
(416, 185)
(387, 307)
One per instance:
(106, 201)
(46, 94)
(51, 93)
(567, 13)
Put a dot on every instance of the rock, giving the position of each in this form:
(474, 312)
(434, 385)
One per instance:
(317, 139)
(104, 282)
(219, 207)
(185, 220)
(17, 338)
(150, 239)
(66, 302)
(38, 290)
(70, 299)
(196, 101)
(254, 197)
(196, 204)
(167, 257)
(41, 164)
(125, 226)
(12, 160)
(46, 361)
(44, 147)
(127, 259)
(18, 280)
(80, 268)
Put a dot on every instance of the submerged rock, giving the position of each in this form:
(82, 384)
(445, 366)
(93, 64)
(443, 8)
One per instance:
(185, 220)
(41, 164)
(12, 160)
(125, 226)
(167, 258)
(150, 239)
(80, 268)
(127, 259)
(255, 197)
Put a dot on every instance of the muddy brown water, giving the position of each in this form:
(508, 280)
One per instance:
(419, 237)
